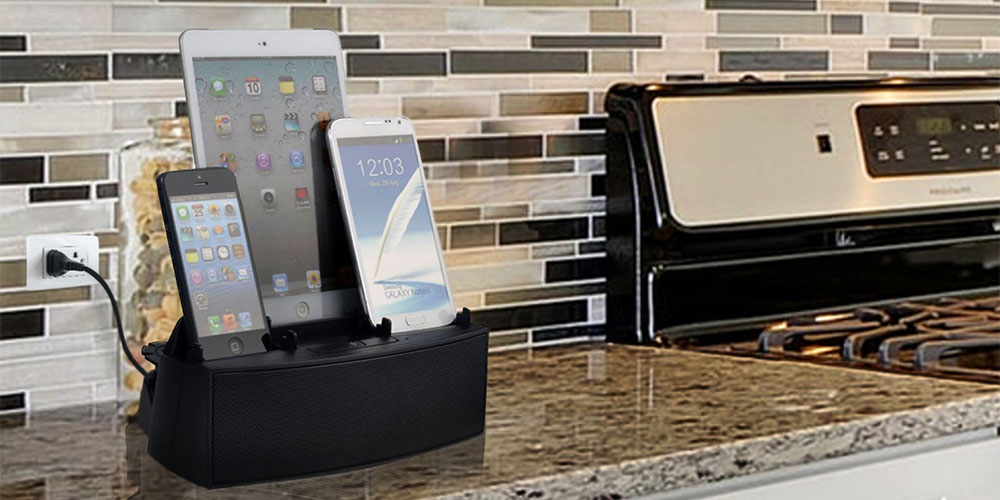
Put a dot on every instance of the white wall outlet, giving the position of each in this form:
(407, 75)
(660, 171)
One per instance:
(82, 248)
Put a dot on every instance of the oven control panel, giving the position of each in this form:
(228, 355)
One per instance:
(799, 155)
(930, 138)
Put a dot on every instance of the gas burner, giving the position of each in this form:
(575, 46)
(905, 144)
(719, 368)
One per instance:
(950, 337)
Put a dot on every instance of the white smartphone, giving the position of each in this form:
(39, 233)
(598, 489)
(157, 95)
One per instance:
(389, 222)
(254, 98)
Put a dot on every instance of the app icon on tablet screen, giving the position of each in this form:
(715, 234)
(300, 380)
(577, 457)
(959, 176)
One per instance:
(263, 162)
(252, 85)
(228, 160)
(258, 124)
(223, 124)
(280, 282)
(218, 87)
(296, 159)
(286, 85)
(319, 84)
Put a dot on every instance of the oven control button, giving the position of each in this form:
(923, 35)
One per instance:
(878, 132)
(893, 129)
(900, 155)
(882, 155)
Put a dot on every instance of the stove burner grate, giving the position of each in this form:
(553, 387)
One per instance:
(950, 337)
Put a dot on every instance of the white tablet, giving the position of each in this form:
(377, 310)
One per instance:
(255, 99)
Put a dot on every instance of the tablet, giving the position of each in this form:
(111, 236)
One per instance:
(254, 98)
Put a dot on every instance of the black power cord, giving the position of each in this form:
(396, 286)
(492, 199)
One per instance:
(58, 264)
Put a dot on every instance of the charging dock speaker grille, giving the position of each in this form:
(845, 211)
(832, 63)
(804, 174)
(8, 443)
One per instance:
(288, 422)
(313, 409)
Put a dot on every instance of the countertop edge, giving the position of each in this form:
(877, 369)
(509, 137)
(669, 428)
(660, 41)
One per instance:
(741, 458)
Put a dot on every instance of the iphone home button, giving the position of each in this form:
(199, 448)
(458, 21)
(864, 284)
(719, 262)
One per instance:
(415, 320)
(235, 346)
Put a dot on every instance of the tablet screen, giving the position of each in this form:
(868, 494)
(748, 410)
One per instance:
(257, 115)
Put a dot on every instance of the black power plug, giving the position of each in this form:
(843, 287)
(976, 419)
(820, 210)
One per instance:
(58, 264)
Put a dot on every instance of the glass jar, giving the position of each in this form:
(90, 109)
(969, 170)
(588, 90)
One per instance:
(147, 289)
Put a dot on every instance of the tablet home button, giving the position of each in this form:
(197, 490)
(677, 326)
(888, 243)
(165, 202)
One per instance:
(415, 320)
(302, 309)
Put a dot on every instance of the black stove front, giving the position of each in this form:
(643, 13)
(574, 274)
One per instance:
(911, 289)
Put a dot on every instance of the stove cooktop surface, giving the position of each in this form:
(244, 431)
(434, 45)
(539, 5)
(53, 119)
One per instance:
(951, 337)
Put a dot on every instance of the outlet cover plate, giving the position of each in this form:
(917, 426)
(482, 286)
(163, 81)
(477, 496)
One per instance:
(38, 244)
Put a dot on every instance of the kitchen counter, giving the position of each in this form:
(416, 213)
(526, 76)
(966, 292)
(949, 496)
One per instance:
(593, 421)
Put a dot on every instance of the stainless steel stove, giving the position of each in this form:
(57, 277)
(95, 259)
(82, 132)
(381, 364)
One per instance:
(854, 223)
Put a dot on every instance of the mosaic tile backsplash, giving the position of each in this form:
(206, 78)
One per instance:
(507, 99)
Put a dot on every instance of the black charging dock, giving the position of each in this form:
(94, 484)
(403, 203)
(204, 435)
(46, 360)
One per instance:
(325, 397)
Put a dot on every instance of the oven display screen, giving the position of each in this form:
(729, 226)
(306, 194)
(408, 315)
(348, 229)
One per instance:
(934, 126)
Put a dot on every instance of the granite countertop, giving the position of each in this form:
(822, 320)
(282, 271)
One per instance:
(592, 421)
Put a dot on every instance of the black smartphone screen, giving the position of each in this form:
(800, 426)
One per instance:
(223, 302)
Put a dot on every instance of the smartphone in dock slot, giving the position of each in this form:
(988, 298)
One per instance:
(213, 263)
(388, 218)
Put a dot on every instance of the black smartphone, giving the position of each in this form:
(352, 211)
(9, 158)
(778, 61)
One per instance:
(335, 252)
(213, 263)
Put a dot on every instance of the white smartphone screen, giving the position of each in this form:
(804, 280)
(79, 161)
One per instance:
(396, 243)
